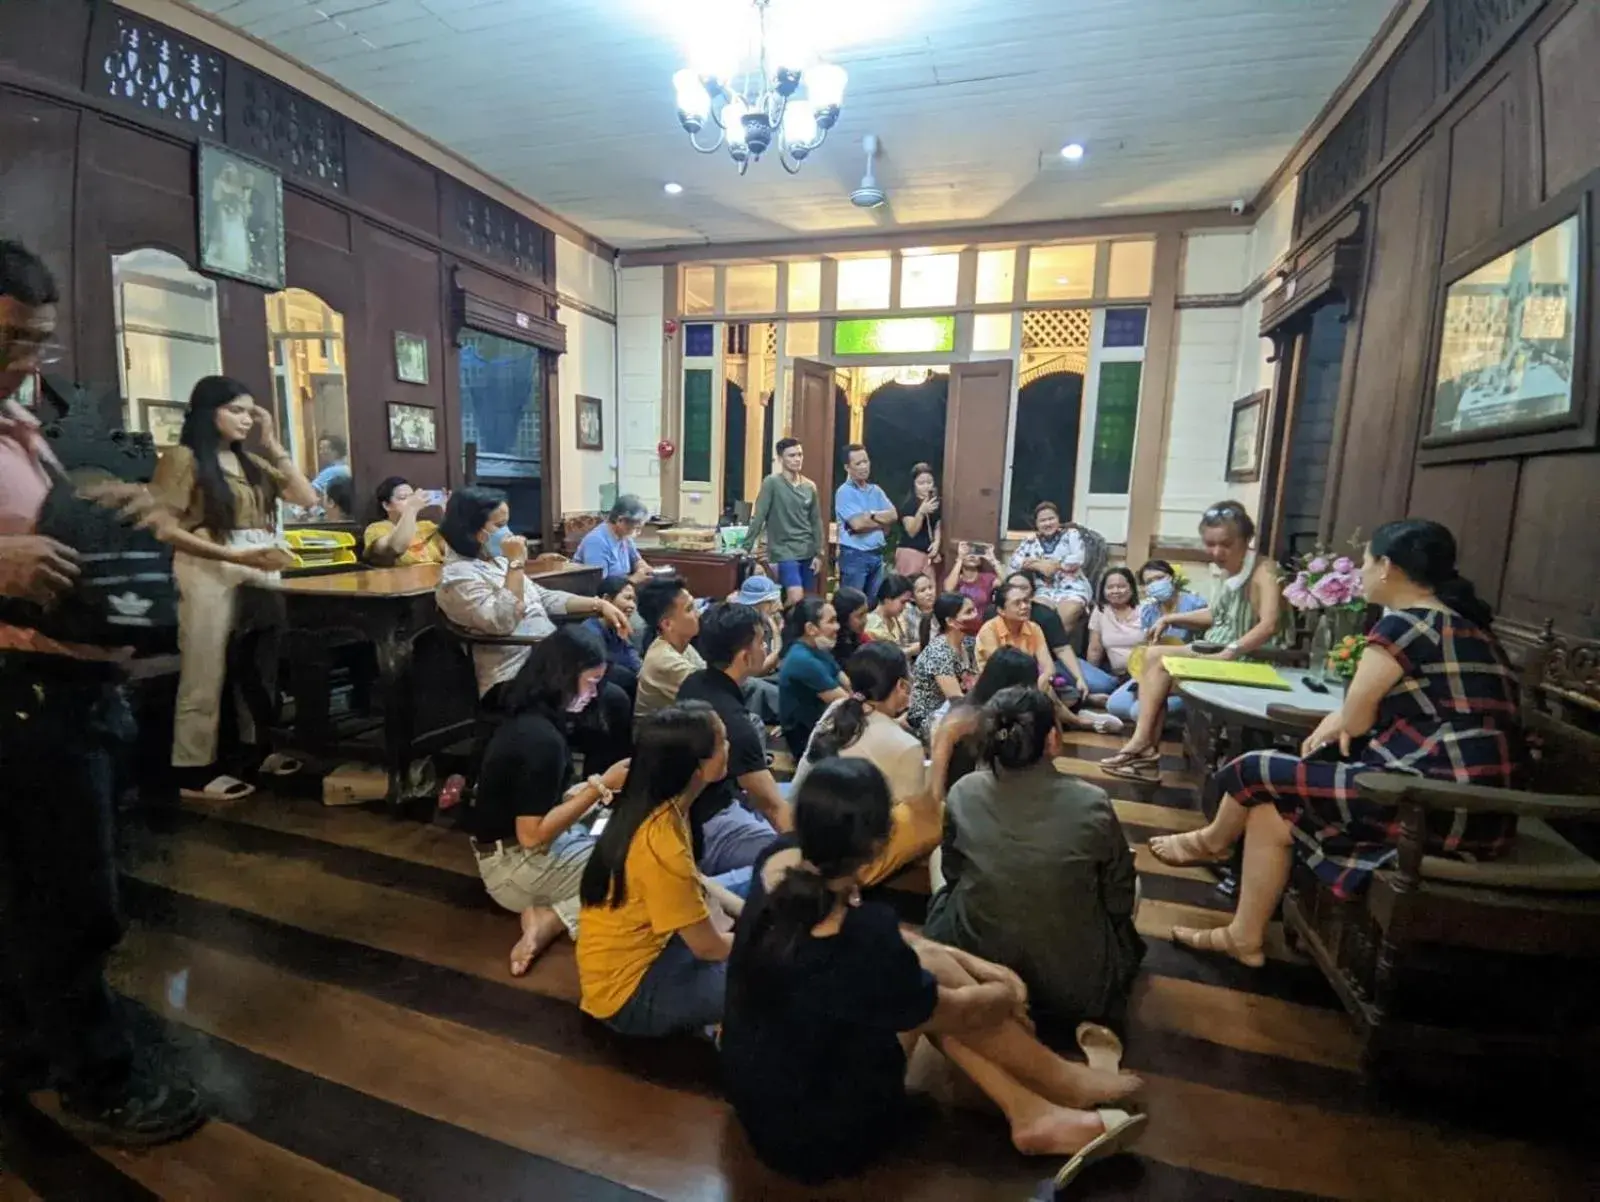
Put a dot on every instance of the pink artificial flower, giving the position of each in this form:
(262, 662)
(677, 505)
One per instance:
(1319, 564)
(1344, 565)
(1298, 595)
(1332, 590)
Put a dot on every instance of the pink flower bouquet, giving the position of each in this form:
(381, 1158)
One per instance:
(1322, 581)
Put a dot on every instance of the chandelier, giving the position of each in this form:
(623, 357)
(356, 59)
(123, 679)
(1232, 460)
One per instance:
(765, 103)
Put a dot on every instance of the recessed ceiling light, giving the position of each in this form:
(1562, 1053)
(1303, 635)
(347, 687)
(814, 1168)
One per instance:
(1072, 151)
(672, 189)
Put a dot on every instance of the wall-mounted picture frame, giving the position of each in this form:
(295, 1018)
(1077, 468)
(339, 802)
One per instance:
(241, 217)
(413, 428)
(162, 420)
(410, 358)
(1246, 438)
(1509, 369)
(591, 424)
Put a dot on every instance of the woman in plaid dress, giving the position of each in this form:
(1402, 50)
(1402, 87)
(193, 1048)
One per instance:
(1432, 697)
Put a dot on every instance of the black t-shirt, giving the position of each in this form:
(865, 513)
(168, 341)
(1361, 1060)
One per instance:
(525, 772)
(1049, 621)
(811, 1055)
(747, 749)
(922, 540)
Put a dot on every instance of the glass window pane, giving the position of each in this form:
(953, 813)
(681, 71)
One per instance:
(699, 289)
(699, 340)
(864, 283)
(803, 338)
(752, 288)
(1061, 272)
(1124, 327)
(928, 281)
(805, 287)
(697, 425)
(991, 332)
(501, 404)
(166, 317)
(1116, 415)
(894, 335)
(997, 277)
(1132, 265)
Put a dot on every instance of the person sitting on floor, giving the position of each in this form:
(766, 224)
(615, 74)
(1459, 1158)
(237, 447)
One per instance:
(946, 668)
(865, 725)
(889, 622)
(1163, 598)
(924, 592)
(1115, 632)
(1432, 696)
(973, 574)
(957, 740)
(1013, 627)
(850, 607)
(809, 680)
(671, 621)
(1242, 618)
(1054, 554)
(621, 655)
(734, 818)
(1048, 620)
(827, 997)
(526, 821)
(1038, 872)
(763, 595)
(653, 957)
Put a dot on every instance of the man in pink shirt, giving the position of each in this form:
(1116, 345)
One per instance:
(63, 721)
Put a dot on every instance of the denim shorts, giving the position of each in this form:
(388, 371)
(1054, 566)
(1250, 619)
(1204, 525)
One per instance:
(796, 573)
(678, 993)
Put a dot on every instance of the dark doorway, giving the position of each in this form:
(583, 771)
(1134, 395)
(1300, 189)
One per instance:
(1044, 457)
(1305, 476)
(904, 426)
(733, 444)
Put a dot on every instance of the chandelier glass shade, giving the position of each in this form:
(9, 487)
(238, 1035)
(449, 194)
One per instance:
(768, 103)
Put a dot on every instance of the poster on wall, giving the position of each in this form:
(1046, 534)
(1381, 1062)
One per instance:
(1507, 344)
(412, 428)
(241, 217)
(591, 435)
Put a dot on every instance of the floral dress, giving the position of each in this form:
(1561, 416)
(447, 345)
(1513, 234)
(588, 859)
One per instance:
(1066, 547)
(938, 659)
(1452, 716)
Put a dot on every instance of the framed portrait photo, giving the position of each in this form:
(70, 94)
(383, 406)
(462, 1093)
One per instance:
(412, 428)
(241, 217)
(591, 431)
(162, 420)
(1246, 436)
(410, 358)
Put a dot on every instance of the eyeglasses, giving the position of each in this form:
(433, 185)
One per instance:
(18, 345)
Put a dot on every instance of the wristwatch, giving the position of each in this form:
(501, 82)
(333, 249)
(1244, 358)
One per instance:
(516, 565)
(599, 786)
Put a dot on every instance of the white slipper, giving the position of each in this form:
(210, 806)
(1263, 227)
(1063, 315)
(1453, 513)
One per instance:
(220, 788)
(279, 764)
(1100, 1047)
(1122, 1132)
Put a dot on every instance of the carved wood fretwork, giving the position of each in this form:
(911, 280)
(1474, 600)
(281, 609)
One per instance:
(290, 131)
(163, 75)
(497, 233)
(1472, 26)
(1338, 166)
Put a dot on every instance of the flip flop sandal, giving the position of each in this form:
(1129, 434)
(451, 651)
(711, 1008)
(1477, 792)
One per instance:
(1122, 1132)
(1145, 771)
(220, 788)
(279, 764)
(1100, 1047)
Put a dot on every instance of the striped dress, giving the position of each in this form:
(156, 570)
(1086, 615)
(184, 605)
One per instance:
(1452, 716)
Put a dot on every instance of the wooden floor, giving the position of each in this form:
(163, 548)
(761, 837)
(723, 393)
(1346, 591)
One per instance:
(335, 980)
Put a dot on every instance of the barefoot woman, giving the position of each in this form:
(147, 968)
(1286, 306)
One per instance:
(1437, 700)
(1242, 617)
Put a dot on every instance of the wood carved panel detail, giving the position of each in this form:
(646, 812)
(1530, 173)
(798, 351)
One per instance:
(1338, 165)
(497, 233)
(292, 132)
(1472, 26)
(164, 75)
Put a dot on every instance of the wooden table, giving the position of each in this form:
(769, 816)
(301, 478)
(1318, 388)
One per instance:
(712, 574)
(391, 608)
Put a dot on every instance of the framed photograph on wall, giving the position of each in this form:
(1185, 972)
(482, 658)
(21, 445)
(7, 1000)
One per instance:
(1507, 374)
(162, 420)
(410, 358)
(1246, 437)
(591, 431)
(241, 217)
(412, 428)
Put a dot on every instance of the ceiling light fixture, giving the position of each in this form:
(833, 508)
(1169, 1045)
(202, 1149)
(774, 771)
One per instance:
(672, 189)
(768, 102)
(1072, 151)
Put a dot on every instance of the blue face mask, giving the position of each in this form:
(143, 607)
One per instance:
(496, 541)
(1160, 590)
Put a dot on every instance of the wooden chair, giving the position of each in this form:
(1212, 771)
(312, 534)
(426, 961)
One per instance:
(1096, 552)
(1444, 962)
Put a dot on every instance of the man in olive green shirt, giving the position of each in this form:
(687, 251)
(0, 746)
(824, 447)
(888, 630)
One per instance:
(788, 510)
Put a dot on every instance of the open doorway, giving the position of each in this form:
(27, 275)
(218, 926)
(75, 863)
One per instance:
(899, 414)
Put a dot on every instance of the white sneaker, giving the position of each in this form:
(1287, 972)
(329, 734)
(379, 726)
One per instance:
(1106, 724)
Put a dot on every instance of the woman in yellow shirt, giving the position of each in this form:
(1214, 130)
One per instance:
(653, 956)
(401, 537)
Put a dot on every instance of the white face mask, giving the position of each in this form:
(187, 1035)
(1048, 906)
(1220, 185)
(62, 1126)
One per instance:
(586, 694)
(825, 643)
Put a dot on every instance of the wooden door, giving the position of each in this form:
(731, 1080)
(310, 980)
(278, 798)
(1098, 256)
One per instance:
(812, 422)
(972, 485)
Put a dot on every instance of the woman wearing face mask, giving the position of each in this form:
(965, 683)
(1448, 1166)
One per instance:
(527, 824)
(621, 655)
(224, 500)
(948, 664)
(809, 680)
(1163, 600)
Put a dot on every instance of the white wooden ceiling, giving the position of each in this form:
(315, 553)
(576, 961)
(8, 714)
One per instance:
(1180, 103)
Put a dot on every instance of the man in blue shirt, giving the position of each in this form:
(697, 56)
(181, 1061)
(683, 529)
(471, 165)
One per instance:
(864, 512)
(609, 546)
(333, 455)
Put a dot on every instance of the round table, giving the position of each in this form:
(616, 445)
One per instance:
(1246, 706)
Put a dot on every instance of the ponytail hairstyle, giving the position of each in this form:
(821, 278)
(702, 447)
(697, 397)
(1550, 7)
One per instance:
(1018, 723)
(1426, 552)
(847, 602)
(944, 612)
(841, 818)
(874, 672)
(668, 748)
(1229, 513)
(805, 612)
(201, 436)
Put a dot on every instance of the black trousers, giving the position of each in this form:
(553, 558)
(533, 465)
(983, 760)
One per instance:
(64, 725)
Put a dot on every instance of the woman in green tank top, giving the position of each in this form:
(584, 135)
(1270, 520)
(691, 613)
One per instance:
(1243, 617)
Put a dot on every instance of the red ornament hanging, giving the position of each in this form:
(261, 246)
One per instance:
(666, 449)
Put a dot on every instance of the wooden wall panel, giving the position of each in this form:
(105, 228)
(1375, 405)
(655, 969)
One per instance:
(1477, 173)
(387, 180)
(1477, 501)
(1569, 79)
(1553, 549)
(38, 154)
(316, 222)
(49, 35)
(1414, 80)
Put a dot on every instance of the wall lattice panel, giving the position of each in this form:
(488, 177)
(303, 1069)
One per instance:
(162, 74)
(297, 135)
(1472, 26)
(1057, 329)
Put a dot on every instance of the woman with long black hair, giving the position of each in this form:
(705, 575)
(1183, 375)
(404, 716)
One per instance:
(224, 499)
(827, 997)
(809, 679)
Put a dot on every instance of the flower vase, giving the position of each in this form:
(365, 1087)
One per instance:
(1322, 639)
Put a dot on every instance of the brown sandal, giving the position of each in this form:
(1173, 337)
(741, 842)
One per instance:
(1217, 939)
(1178, 857)
(1142, 766)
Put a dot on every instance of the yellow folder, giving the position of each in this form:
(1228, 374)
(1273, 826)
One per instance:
(1226, 671)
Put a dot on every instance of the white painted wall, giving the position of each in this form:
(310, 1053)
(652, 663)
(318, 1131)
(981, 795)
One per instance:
(587, 369)
(639, 349)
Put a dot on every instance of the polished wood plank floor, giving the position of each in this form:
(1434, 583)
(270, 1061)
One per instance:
(335, 981)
